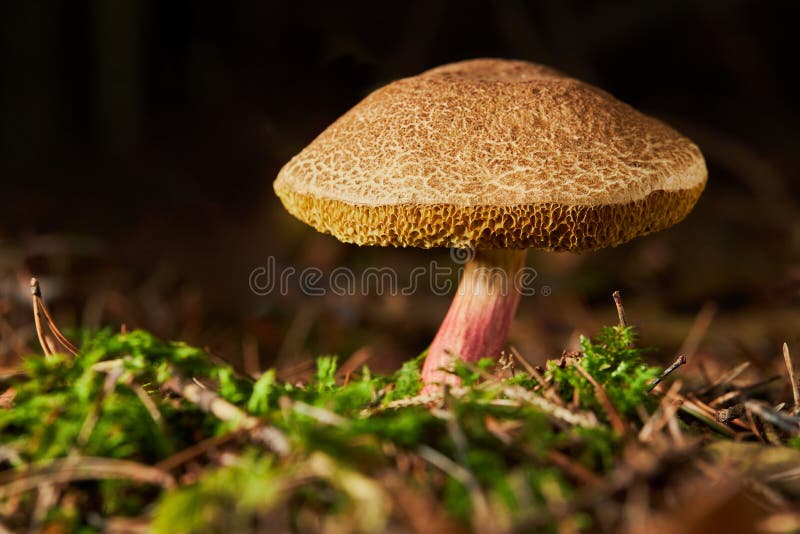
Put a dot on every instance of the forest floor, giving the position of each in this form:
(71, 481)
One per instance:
(123, 432)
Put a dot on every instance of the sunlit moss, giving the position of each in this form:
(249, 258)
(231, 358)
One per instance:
(338, 457)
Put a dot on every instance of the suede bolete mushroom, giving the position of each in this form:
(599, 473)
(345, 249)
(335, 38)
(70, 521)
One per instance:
(498, 156)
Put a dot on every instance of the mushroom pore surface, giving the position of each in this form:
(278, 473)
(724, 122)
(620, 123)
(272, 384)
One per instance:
(493, 153)
(546, 226)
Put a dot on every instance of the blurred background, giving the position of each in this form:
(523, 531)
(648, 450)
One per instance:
(139, 142)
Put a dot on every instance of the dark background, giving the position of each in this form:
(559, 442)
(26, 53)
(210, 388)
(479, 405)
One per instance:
(139, 141)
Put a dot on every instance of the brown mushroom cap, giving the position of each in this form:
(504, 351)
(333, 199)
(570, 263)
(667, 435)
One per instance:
(492, 153)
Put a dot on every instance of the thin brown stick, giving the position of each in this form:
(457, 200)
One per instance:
(50, 343)
(675, 431)
(709, 411)
(14, 482)
(547, 391)
(620, 310)
(326, 417)
(741, 392)
(729, 414)
(784, 421)
(37, 315)
(114, 369)
(790, 369)
(681, 360)
(557, 411)
(517, 396)
(670, 404)
(694, 409)
(60, 337)
(146, 401)
(605, 402)
(530, 369)
(726, 378)
(211, 402)
(39, 308)
(355, 361)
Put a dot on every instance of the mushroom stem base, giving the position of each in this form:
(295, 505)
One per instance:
(478, 320)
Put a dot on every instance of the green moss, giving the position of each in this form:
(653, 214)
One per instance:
(228, 499)
(502, 443)
(614, 361)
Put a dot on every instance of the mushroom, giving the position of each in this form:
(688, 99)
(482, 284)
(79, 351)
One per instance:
(495, 156)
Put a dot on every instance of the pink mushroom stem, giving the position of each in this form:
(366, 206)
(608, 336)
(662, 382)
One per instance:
(478, 320)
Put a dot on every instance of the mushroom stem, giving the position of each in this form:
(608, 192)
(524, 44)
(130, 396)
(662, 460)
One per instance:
(477, 323)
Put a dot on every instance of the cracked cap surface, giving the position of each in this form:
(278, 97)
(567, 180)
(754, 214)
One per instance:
(493, 153)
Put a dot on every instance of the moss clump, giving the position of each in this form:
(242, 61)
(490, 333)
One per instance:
(614, 361)
(360, 450)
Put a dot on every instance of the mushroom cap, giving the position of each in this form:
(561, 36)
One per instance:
(493, 153)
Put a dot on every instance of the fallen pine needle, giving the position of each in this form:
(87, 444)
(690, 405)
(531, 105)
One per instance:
(792, 378)
(211, 402)
(605, 402)
(79, 468)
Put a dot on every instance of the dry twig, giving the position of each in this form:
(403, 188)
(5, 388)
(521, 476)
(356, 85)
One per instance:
(792, 379)
(79, 468)
(782, 420)
(36, 294)
(668, 371)
(326, 417)
(742, 391)
(605, 402)
(516, 396)
(39, 308)
(669, 405)
(726, 379)
(530, 369)
(211, 402)
(728, 414)
(620, 310)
